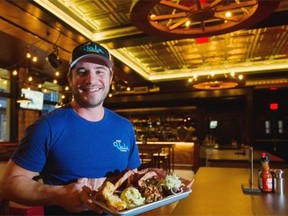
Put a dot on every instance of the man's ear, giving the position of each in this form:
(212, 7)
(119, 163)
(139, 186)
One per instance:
(111, 75)
(69, 78)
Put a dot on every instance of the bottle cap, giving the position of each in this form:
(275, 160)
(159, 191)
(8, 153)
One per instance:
(279, 173)
(263, 154)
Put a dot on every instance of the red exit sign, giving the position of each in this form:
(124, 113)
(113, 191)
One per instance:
(273, 106)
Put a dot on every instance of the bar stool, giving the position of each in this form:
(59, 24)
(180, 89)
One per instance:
(146, 160)
(161, 160)
(146, 154)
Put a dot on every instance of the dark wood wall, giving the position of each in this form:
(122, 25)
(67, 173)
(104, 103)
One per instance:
(273, 137)
(241, 114)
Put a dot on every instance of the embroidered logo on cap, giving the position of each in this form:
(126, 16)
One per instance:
(92, 48)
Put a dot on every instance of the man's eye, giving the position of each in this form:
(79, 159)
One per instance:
(101, 71)
(81, 71)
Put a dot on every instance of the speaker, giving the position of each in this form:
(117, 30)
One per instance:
(53, 60)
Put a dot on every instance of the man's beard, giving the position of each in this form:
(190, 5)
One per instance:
(86, 103)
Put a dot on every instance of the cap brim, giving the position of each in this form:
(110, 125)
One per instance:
(92, 56)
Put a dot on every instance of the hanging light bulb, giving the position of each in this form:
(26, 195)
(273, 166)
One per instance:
(28, 55)
(30, 78)
(14, 73)
(228, 14)
(35, 59)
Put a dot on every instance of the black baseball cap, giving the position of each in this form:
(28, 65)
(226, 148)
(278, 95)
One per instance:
(91, 50)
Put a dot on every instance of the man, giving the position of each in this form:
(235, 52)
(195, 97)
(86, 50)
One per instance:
(72, 144)
(181, 132)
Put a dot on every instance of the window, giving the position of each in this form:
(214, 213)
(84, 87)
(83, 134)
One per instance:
(48, 108)
(267, 127)
(4, 119)
(51, 96)
(35, 97)
(213, 124)
(4, 81)
(280, 126)
(4, 105)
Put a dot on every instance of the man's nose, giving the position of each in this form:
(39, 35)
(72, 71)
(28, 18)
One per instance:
(92, 77)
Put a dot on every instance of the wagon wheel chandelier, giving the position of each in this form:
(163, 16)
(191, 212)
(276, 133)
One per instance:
(177, 19)
(216, 82)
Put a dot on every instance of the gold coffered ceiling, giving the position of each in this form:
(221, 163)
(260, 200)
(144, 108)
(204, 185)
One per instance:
(247, 51)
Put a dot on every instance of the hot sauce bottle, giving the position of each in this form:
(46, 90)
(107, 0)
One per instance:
(263, 158)
(267, 178)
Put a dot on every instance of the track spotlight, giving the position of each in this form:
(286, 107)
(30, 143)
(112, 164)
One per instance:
(53, 58)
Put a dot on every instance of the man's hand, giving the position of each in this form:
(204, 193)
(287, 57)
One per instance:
(88, 186)
(69, 197)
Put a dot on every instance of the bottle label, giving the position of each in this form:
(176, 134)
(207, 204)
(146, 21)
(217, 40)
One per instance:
(267, 184)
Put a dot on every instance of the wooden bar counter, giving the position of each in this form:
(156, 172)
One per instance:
(217, 191)
(234, 158)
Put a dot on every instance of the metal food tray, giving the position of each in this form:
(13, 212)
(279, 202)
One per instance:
(147, 207)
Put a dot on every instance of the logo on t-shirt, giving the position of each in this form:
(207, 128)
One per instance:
(120, 146)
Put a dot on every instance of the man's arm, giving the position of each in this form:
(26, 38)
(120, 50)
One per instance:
(17, 185)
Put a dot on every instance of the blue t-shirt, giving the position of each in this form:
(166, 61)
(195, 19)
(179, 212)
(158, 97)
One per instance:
(63, 147)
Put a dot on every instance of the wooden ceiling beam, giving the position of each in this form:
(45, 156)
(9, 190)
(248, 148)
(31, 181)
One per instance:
(19, 23)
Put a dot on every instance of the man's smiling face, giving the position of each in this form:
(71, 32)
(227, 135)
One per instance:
(90, 83)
